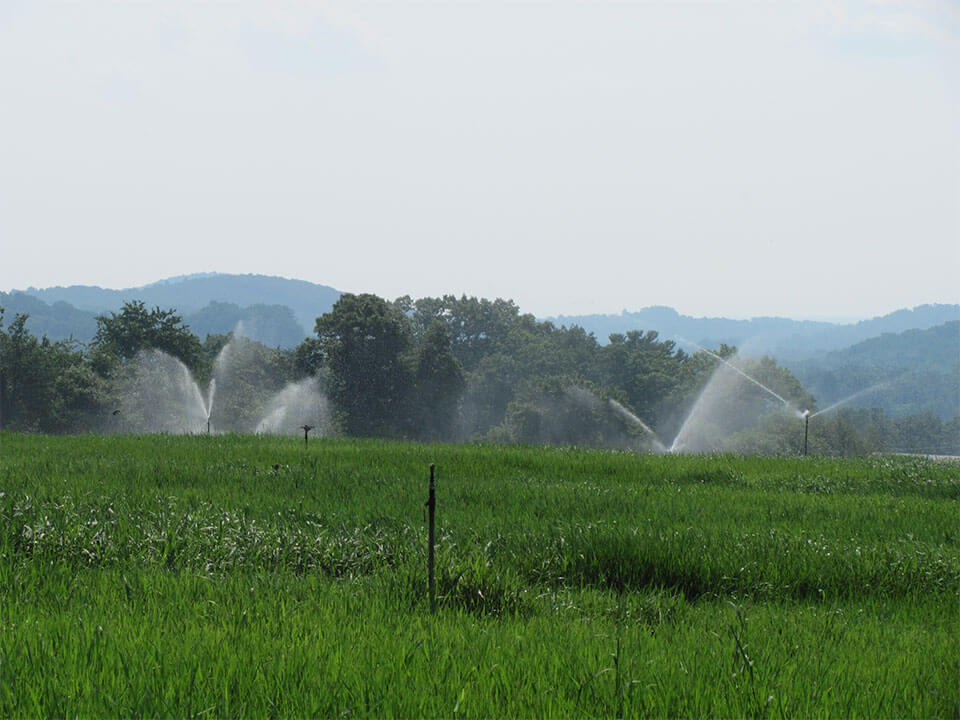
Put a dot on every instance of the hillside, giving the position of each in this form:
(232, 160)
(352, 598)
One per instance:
(273, 325)
(937, 347)
(191, 293)
(780, 337)
(59, 321)
(902, 373)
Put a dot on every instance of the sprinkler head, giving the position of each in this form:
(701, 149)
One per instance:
(306, 432)
(805, 414)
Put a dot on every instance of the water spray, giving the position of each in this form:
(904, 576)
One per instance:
(735, 369)
(848, 398)
(658, 446)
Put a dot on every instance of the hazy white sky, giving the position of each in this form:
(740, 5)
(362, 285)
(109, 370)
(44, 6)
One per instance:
(728, 157)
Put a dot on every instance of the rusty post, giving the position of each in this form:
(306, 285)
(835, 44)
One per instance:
(431, 528)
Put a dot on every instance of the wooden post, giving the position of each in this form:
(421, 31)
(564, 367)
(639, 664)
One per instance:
(431, 575)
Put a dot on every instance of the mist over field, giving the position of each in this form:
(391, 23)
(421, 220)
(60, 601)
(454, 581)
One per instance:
(469, 369)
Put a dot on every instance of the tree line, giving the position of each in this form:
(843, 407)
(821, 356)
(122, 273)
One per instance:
(447, 369)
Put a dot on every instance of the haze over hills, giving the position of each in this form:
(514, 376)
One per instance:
(190, 293)
(273, 325)
(286, 310)
(779, 337)
(59, 321)
(900, 373)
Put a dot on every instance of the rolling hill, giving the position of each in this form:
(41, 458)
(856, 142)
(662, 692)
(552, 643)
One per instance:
(902, 373)
(780, 337)
(191, 293)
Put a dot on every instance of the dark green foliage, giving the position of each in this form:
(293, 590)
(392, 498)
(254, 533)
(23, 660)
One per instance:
(364, 341)
(438, 385)
(644, 368)
(135, 328)
(44, 386)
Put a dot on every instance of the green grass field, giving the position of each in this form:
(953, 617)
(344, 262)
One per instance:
(250, 576)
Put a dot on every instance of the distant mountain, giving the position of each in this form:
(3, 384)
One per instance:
(181, 278)
(59, 321)
(937, 348)
(190, 293)
(271, 307)
(780, 337)
(903, 373)
(273, 325)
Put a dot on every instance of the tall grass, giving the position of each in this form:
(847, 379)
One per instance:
(233, 575)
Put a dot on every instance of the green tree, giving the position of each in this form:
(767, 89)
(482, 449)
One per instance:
(438, 383)
(364, 340)
(646, 369)
(135, 328)
(478, 327)
(308, 358)
(45, 386)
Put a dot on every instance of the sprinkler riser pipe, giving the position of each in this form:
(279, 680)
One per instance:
(806, 428)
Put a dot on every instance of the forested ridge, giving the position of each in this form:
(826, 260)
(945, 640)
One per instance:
(191, 293)
(909, 370)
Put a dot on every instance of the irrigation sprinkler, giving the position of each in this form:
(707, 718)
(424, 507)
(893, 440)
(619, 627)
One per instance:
(431, 505)
(306, 431)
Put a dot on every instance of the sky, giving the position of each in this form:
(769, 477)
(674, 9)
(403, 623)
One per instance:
(732, 157)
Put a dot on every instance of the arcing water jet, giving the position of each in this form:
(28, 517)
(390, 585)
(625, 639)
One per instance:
(849, 398)
(623, 412)
(716, 409)
(298, 405)
(737, 370)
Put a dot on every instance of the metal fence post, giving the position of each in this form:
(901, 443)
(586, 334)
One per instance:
(431, 574)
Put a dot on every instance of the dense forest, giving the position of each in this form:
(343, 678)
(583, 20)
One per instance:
(445, 369)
